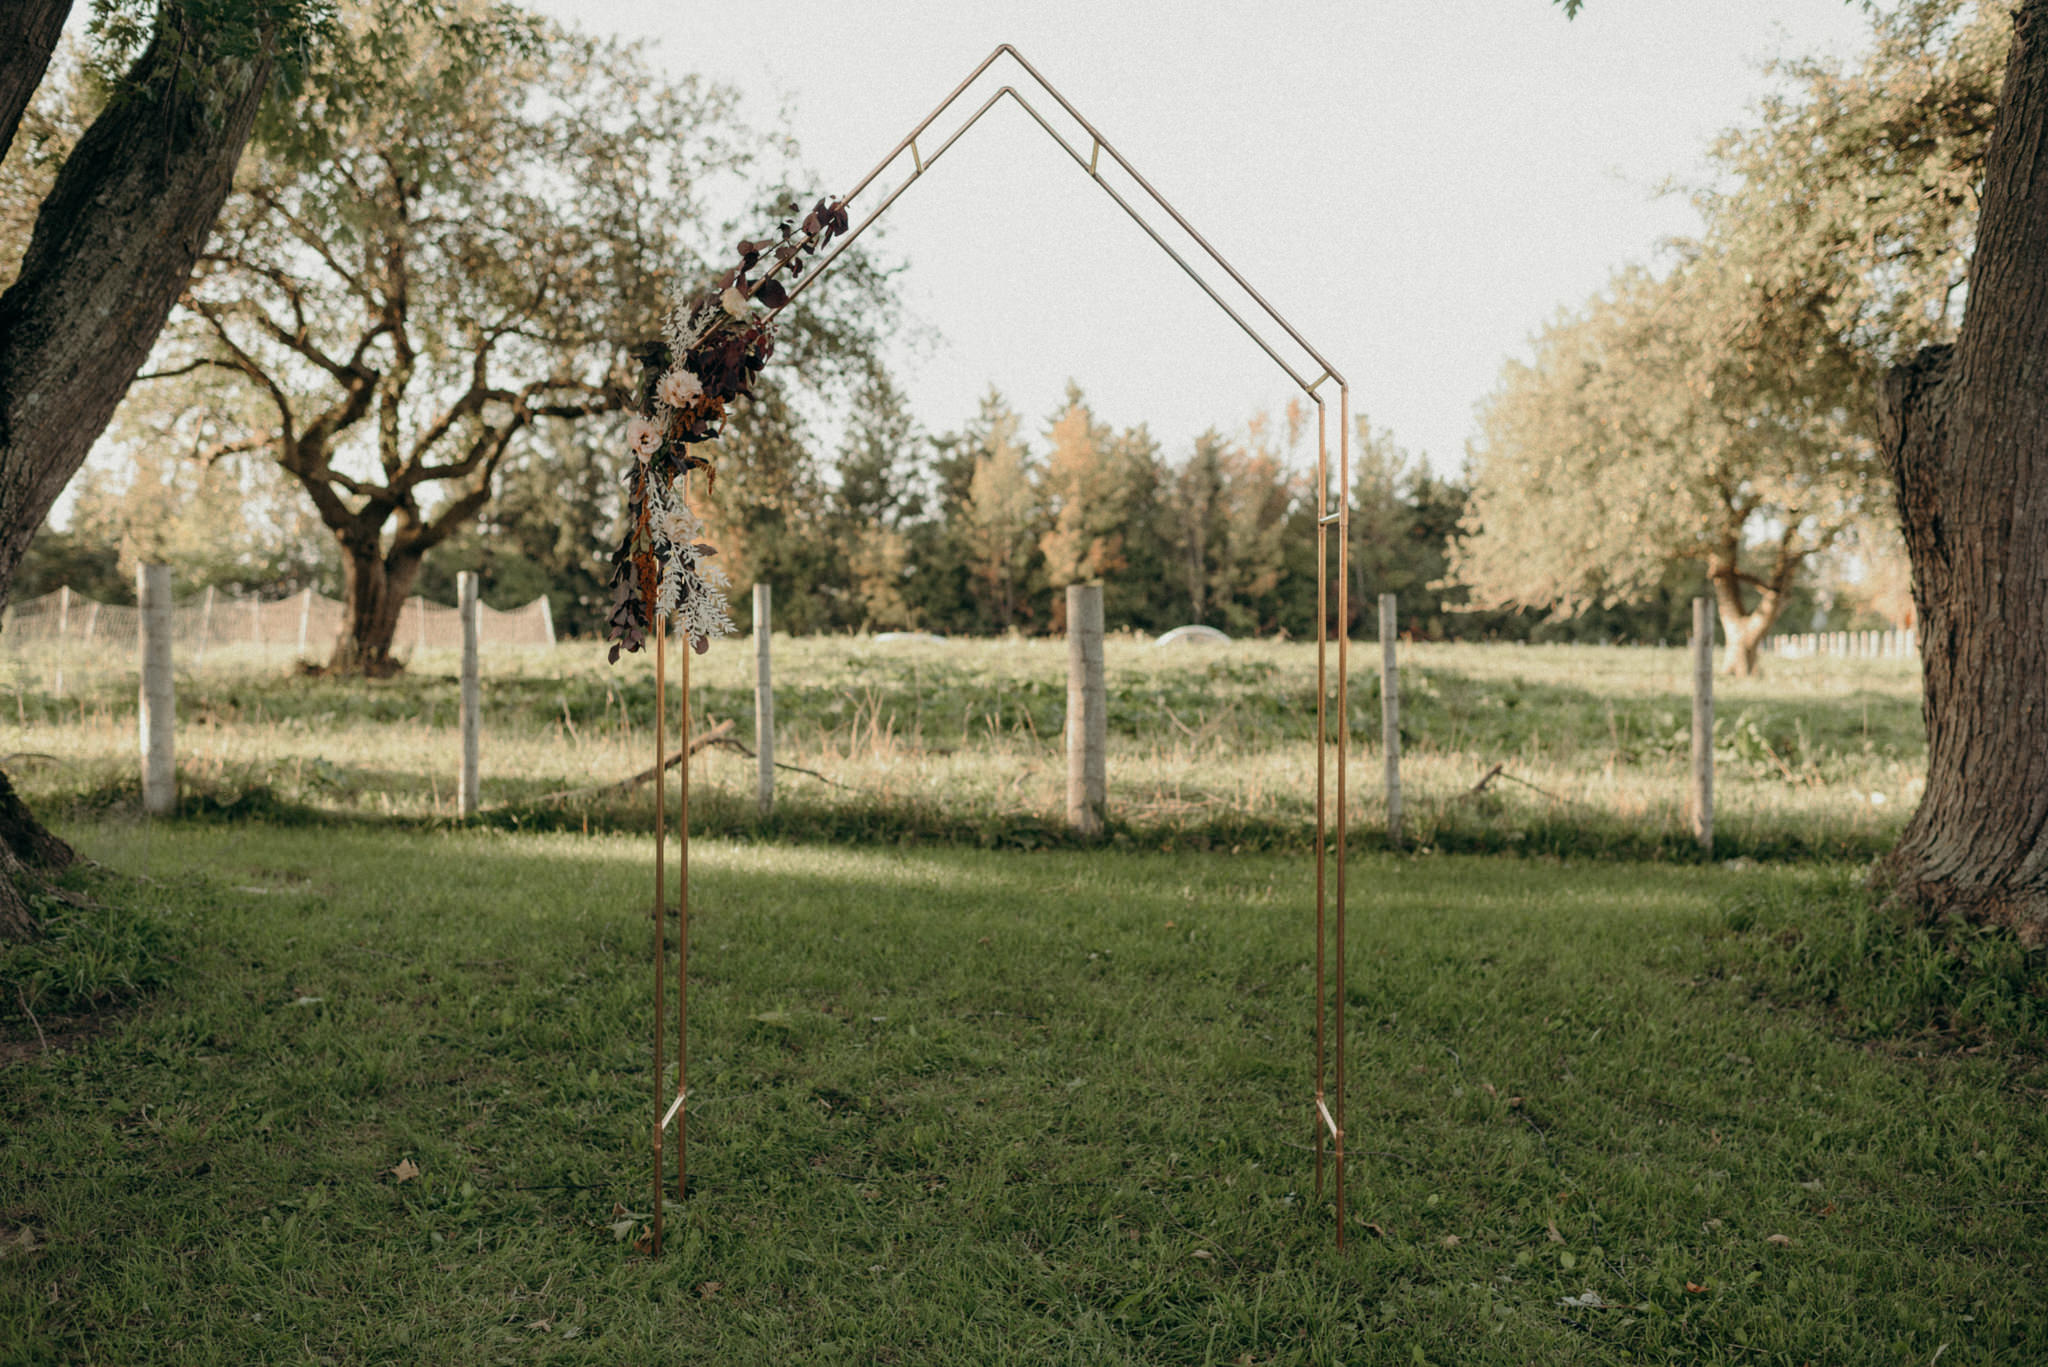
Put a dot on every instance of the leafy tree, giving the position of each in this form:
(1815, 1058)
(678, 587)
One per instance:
(1669, 423)
(114, 240)
(454, 231)
(1193, 510)
(1086, 492)
(879, 495)
(234, 524)
(938, 576)
(1000, 515)
(546, 530)
(770, 513)
(1259, 492)
(1963, 425)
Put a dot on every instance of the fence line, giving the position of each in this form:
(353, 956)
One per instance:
(64, 631)
(1855, 645)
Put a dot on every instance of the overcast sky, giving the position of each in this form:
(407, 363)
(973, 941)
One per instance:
(1416, 184)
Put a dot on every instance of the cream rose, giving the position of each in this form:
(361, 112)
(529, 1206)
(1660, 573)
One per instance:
(679, 388)
(643, 438)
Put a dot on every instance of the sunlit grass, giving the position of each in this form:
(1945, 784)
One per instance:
(907, 738)
(962, 1106)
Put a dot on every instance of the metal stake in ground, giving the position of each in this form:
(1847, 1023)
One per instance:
(660, 916)
(764, 701)
(1702, 802)
(1390, 712)
(472, 695)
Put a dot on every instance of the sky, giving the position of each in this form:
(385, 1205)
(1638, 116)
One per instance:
(1416, 185)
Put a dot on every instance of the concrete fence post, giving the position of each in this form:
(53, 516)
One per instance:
(157, 712)
(63, 625)
(764, 700)
(205, 626)
(1702, 801)
(1087, 711)
(305, 618)
(1390, 711)
(472, 696)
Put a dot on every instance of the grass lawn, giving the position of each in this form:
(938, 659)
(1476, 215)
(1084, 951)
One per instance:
(964, 1106)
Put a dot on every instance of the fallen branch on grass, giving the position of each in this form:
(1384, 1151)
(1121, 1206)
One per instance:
(715, 736)
(1500, 770)
(733, 743)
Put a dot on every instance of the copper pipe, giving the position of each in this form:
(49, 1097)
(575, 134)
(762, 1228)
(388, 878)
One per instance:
(1343, 747)
(1088, 164)
(660, 900)
(1324, 518)
(1322, 739)
(1172, 212)
(683, 930)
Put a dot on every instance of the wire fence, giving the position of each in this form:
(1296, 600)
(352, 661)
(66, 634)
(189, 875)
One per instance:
(1855, 645)
(66, 636)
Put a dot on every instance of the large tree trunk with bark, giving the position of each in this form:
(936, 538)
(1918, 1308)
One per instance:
(28, 36)
(376, 589)
(1966, 434)
(27, 853)
(113, 247)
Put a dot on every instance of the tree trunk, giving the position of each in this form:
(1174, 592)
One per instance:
(28, 35)
(375, 593)
(113, 247)
(1742, 628)
(1965, 430)
(27, 851)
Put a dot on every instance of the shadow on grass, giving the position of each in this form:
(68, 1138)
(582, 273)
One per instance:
(956, 1105)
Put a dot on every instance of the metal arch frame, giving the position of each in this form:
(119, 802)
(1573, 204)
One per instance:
(1328, 1118)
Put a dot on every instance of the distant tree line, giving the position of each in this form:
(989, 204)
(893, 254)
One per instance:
(974, 531)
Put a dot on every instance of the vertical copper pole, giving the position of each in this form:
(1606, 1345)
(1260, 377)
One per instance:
(1322, 749)
(683, 936)
(660, 900)
(1343, 747)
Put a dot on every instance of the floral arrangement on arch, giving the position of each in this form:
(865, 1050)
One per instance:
(715, 347)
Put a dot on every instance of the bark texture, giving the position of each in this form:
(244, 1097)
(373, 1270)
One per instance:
(113, 247)
(28, 36)
(27, 852)
(376, 589)
(1965, 429)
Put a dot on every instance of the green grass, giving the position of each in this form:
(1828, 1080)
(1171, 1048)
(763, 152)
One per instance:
(960, 743)
(963, 1106)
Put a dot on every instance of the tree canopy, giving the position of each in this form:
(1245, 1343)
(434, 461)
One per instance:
(1724, 414)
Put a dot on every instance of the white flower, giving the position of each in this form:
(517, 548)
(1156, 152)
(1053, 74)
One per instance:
(643, 438)
(678, 388)
(678, 526)
(734, 302)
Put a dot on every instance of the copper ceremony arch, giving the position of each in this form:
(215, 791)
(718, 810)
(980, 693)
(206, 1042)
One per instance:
(1328, 1103)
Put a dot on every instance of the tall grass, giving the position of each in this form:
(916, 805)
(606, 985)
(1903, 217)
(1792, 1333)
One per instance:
(962, 741)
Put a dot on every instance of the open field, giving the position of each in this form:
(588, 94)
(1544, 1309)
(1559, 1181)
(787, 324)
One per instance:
(986, 1106)
(961, 742)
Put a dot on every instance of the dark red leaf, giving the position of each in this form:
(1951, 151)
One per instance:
(772, 294)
